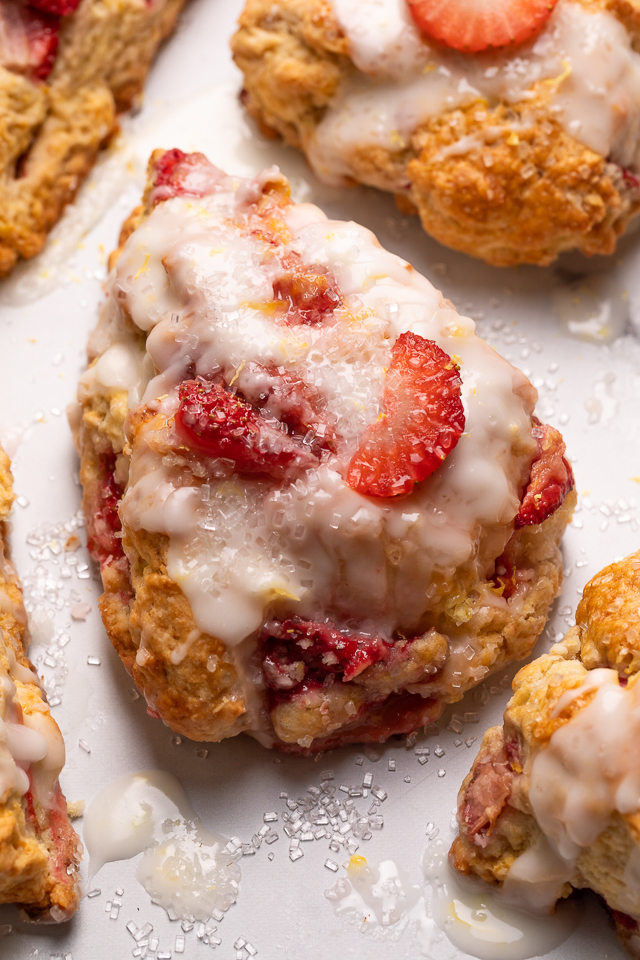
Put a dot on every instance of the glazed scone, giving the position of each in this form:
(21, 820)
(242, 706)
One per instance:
(511, 155)
(322, 505)
(39, 850)
(553, 800)
(63, 80)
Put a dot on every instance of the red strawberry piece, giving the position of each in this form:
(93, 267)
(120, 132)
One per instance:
(61, 8)
(551, 477)
(179, 174)
(504, 577)
(217, 423)
(486, 795)
(308, 290)
(103, 519)
(28, 40)
(474, 25)
(297, 650)
(422, 421)
(630, 179)
(291, 401)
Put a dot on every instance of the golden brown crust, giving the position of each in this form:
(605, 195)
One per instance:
(53, 131)
(510, 198)
(608, 618)
(37, 845)
(605, 635)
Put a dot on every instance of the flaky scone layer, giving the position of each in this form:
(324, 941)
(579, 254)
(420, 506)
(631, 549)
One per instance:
(52, 130)
(496, 818)
(500, 181)
(39, 851)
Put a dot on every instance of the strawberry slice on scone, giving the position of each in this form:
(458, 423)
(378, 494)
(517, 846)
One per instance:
(422, 421)
(475, 25)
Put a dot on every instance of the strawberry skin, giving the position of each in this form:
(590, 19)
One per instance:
(61, 8)
(475, 25)
(217, 423)
(318, 650)
(28, 40)
(422, 422)
(551, 477)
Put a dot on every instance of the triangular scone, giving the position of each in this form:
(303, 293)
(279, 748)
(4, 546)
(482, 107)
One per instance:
(39, 850)
(322, 505)
(553, 800)
(67, 68)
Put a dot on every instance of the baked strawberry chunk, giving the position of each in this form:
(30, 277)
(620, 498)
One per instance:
(422, 421)
(486, 795)
(178, 174)
(103, 519)
(297, 651)
(474, 25)
(28, 40)
(551, 477)
(291, 401)
(308, 290)
(61, 8)
(218, 423)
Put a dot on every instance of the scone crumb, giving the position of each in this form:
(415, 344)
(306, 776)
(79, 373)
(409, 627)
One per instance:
(75, 809)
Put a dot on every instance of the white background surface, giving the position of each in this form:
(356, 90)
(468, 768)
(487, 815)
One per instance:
(589, 390)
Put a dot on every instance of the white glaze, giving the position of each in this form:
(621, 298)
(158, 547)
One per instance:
(30, 743)
(481, 923)
(380, 900)
(589, 768)
(404, 81)
(184, 868)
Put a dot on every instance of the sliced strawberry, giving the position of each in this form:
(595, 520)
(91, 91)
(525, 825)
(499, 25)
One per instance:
(61, 8)
(217, 423)
(178, 174)
(422, 421)
(311, 294)
(474, 25)
(28, 40)
(551, 477)
(304, 650)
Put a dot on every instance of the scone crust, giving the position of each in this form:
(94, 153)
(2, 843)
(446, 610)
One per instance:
(50, 133)
(39, 851)
(521, 198)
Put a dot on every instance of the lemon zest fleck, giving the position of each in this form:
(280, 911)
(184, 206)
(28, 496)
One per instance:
(237, 373)
(144, 268)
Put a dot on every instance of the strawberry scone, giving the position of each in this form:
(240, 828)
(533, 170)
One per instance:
(553, 800)
(67, 67)
(39, 851)
(512, 127)
(322, 505)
